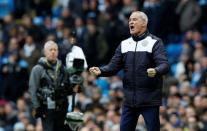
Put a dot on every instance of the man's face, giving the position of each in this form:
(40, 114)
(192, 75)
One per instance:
(51, 52)
(135, 24)
(72, 40)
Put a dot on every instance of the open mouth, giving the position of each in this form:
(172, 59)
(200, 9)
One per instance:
(131, 27)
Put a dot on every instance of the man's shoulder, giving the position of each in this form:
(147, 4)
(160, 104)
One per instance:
(126, 40)
(154, 37)
(153, 40)
(37, 67)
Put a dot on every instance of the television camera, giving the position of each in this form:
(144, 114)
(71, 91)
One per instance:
(75, 119)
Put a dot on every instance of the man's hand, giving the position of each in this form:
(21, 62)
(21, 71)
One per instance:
(151, 72)
(95, 70)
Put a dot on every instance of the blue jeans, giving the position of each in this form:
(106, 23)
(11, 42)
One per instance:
(130, 115)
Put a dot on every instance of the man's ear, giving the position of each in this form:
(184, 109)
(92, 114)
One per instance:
(144, 24)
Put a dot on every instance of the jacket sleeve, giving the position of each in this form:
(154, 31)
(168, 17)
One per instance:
(160, 58)
(34, 83)
(114, 65)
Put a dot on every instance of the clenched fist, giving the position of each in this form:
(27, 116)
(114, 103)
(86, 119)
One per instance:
(95, 70)
(151, 72)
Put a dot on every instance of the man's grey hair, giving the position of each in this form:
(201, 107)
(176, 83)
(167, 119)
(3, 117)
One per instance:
(143, 16)
(50, 42)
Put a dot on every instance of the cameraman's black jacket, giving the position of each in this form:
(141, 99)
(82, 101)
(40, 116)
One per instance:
(135, 55)
(48, 80)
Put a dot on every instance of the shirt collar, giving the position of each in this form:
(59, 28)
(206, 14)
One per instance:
(140, 37)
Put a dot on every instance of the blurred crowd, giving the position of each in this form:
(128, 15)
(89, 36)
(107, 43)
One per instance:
(100, 25)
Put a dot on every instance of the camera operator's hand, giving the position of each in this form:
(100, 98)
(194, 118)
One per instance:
(76, 88)
(95, 70)
(37, 112)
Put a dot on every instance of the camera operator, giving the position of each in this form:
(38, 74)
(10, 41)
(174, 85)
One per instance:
(75, 52)
(75, 60)
(76, 63)
(49, 86)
